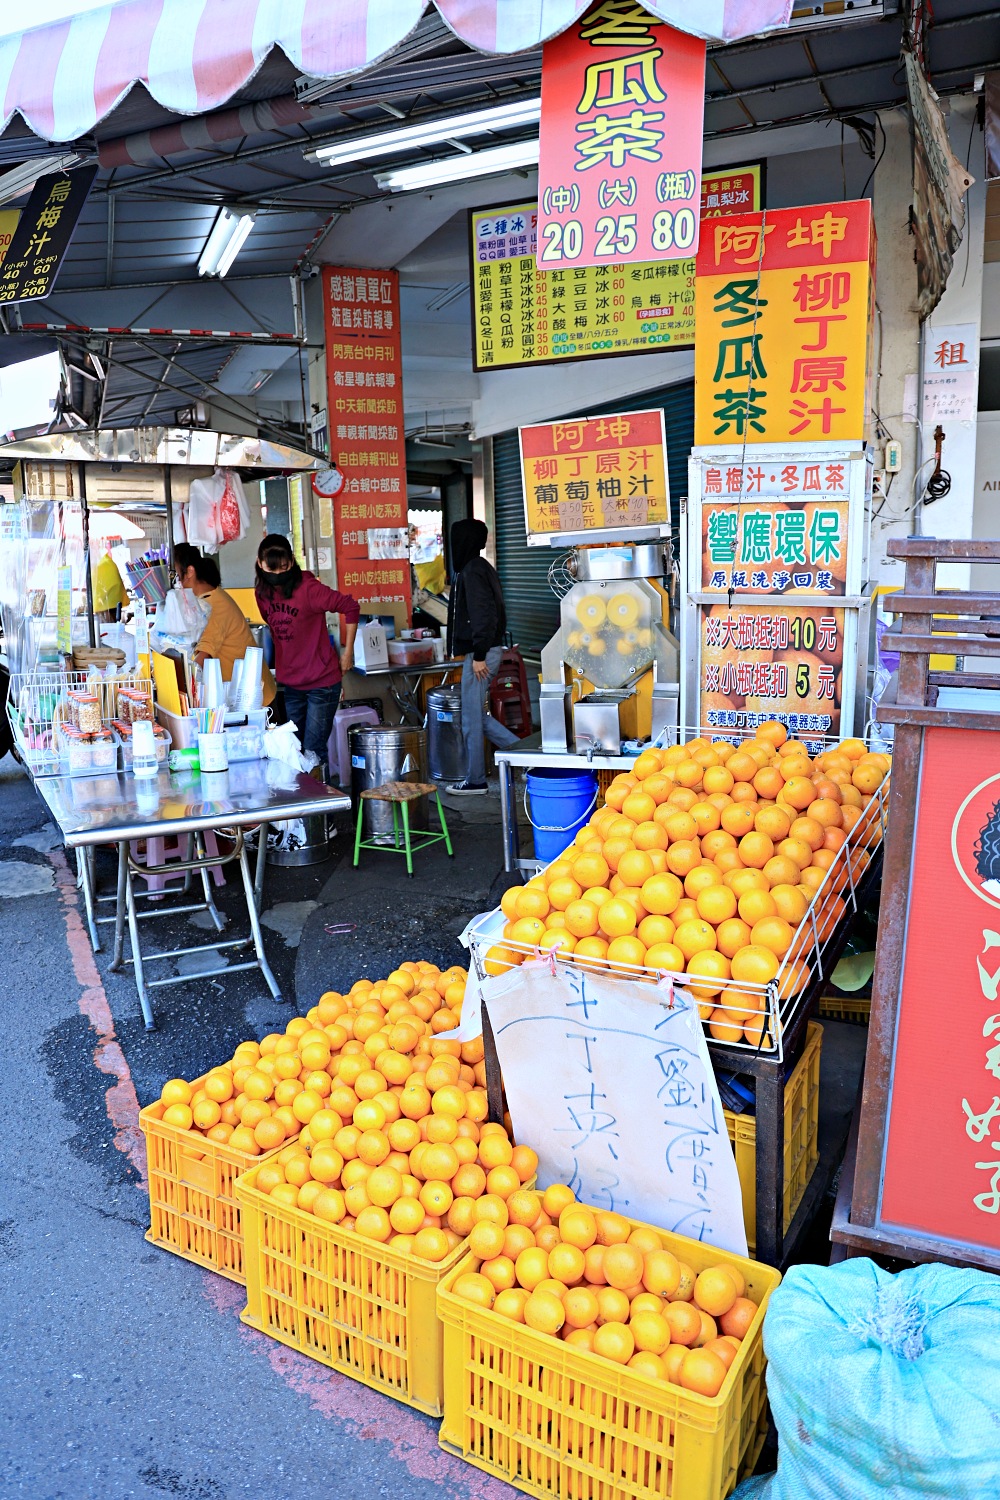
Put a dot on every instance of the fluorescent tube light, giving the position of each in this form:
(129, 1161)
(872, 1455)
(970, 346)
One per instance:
(428, 133)
(20, 180)
(458, 168)
(229, 233)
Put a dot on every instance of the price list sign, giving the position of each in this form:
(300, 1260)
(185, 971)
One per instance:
(42, 236)
(595, 474)
(619, 172)
(364, 366)
(525, 316)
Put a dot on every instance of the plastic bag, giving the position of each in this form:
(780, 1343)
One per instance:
(108, 589)
(179, 621)
(282, 743)
(883, 1385)
(217, 510)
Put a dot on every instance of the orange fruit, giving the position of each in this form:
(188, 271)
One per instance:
(182, 1116)
(702, 1371)
(566, 1264)
(510, 1304)
(544, 1312)
(716, 904)
(373, 1224)
(578, 1229)
(623, 1265)
(564, 890)
(594, 1271)
(581, 918)
(731, 936)
(612, 1304)
(650, 836)
(759, 1033)
(628, 951)
(717, 779)
(499, 1272)
(634, 867)
(665, 957)
(708, 965)
(655, 929)
(781, 870)
(580, 1307)
(614, 1341)
(523, 1205)
(755, 905)
(703, 877)
(797, 850)
(736, 1321)
(755, 964)
(530, 902)
(661, 1272)
(590, 952)
(695, 936)
(431, 1244)
(715, 1291)
(768, 782)
(476, 1288)
(726, 1349)
(684, 1321)
(661, 893)
(755, 849)
(651, 1332)
(531, 1266)
(774, 933)
(617, 918)
(683, 856)
(406, 1215)
(809, 831)
(739, 818)
(612, 1228)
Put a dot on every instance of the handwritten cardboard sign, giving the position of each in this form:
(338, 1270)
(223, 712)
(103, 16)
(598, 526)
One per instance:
(610, 1082)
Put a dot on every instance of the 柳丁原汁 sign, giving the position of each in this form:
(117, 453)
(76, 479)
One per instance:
(771, 661)
(364, 374)
(524, 316)
(595, 474)
(619, 175)
(784, 305)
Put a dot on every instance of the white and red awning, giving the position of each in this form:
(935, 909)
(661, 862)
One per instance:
(194, 55)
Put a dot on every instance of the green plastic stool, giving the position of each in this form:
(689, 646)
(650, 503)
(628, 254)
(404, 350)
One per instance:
(401, 794)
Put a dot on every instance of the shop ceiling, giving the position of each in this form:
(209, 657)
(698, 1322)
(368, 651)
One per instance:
(129, 289)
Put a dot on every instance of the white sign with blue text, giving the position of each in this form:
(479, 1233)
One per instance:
(610, 1081)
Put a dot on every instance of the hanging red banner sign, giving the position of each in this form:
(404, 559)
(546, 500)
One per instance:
(619, 175)
(364, 373)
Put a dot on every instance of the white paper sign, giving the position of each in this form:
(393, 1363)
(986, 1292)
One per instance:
(610, 1082)
(951, 373)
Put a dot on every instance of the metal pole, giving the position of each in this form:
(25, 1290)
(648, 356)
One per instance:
(168, 496)
(85, 512)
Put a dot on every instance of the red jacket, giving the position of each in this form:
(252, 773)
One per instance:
(304, 655)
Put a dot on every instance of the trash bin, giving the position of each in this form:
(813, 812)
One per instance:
(445, 746)
(383, 753)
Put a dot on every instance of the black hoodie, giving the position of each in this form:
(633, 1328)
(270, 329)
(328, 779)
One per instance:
(477, 620)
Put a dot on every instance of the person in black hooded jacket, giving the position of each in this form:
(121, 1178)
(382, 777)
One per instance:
(477, 623)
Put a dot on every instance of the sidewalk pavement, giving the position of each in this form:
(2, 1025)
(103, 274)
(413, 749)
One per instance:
(126, 1370)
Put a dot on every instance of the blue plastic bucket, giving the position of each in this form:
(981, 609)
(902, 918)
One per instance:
(560, 804)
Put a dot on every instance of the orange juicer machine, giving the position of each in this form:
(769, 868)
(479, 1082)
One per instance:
(611, 672)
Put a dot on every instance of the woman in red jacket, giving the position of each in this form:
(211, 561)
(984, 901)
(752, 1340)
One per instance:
(295, 605)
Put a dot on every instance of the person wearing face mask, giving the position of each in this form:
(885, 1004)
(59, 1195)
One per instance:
(295, 605)
(226, 635)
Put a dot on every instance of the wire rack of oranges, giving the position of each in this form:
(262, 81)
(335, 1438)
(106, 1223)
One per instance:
(726, 866)
(591, 1278)
(270, 1090)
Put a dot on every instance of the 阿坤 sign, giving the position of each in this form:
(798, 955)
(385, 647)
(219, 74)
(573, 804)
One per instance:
(595, 473)
(784, 305)
(619, 175)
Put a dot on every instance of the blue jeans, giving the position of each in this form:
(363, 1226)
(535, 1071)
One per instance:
(312, 712)
(476, 721)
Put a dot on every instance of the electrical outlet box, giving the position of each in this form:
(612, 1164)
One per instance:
(893, 457)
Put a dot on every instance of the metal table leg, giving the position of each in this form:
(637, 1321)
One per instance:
(258, 883)
(770, 1171)
(133, 930)
(508, 817)
(85, 873)
(120, 904)
(218, 919)
(258, 941)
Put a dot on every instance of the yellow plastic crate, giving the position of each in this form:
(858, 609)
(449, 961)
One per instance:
(362, 1308)
(557, 1421)
(193, 1209)
(845, 1008)
(801, 1137)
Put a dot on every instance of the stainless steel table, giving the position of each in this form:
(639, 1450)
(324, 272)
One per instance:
(530, 755)
(120, 809)
(405, 697)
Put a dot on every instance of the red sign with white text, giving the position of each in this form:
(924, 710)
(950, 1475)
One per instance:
(619, 175)
(942, 1161)
(364, 374)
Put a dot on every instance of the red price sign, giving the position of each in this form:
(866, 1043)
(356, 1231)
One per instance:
(619, 175)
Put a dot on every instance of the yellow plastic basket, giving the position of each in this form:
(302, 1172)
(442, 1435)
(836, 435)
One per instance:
(362, 1308)
(193, 1209)
(801, 1136)
(844, 1008)
(557, 1421)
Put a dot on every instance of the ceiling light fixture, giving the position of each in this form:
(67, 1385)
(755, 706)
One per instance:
(20, 180)
(458, 168)
(228, 236)
(428, 133)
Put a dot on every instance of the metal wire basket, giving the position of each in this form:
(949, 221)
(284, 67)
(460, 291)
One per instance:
(770, 1008)
(39, 702)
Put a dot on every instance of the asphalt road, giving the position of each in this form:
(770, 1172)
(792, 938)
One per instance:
(126, 1370)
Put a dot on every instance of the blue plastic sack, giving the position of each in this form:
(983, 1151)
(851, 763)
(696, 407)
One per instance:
(883, 1387)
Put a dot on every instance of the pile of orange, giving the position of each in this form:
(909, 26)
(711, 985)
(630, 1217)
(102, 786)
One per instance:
(325, 1061)
(703, 862)
(587, 1276)
(418, 1167)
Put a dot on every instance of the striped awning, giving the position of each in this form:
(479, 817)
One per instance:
(194, 55)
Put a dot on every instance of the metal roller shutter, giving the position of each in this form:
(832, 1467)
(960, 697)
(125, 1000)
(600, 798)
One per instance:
(532, 608)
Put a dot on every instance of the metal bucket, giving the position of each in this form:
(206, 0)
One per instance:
(314, 850)
(445, 746)
(383, 753)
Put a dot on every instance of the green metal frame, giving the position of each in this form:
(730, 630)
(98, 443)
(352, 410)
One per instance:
(409, 834)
